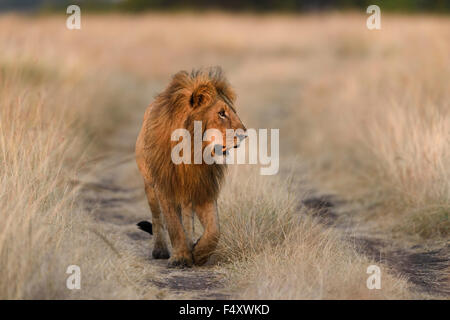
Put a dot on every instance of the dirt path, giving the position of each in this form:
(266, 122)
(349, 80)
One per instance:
(113, 194)
(427, 268)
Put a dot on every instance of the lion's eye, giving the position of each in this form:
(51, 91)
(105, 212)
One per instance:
(222, 114)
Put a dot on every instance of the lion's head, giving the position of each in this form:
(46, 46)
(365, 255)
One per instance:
(204, 96)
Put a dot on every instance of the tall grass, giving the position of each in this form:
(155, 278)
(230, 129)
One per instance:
(45, 131)
(382, 131)
(412, 162)
(273, 248)
(33, 200)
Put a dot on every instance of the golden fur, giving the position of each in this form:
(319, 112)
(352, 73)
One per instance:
(180, 189)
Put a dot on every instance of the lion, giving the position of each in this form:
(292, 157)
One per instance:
(175, 192)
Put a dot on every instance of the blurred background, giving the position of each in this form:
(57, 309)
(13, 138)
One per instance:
(231, 5)
(363, 115)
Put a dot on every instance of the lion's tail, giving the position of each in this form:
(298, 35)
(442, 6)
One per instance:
(145, 226)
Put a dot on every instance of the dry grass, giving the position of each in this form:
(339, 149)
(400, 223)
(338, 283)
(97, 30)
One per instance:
(46, 125)
(368, 110)
(380, 124)
(274, 250)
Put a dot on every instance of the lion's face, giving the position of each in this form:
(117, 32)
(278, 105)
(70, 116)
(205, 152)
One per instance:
(220, 123)
(222, 116)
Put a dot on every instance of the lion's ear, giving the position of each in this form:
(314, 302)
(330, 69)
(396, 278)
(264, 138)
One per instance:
(203, 96)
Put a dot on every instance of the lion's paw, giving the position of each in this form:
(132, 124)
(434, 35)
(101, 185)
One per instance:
(160, 253)
(180, 262)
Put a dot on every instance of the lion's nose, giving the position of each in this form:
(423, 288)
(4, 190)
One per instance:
(242, 136)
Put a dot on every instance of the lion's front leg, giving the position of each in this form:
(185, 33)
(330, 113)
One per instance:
(187, 216)
(209, 217)
(181, 254)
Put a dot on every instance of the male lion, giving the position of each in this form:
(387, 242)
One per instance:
(179, 190)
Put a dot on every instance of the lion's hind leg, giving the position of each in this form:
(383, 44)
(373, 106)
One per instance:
(160, 250)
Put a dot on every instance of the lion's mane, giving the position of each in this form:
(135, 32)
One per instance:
(172, 109)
